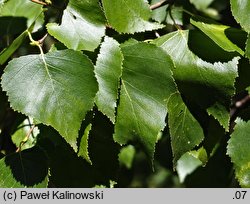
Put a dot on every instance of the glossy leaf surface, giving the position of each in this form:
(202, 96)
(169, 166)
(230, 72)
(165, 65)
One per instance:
(59, 88)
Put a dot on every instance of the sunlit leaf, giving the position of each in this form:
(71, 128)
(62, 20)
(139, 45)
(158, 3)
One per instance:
(126, 156)
(160, 13)
(82, 27)
(129, 16)
(238, 150)
(240, 10)
(59, 88)
(201, 4)
(83, 149)
(190, 161)
(22, 136)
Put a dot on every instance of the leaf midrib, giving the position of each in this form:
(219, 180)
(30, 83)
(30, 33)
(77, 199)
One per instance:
(53, 91)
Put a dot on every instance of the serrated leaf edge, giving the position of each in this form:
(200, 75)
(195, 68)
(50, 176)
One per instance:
(165, 100)
(236, 18)
(119, 86)
(124, 32)
(73, 145)
(196, 145)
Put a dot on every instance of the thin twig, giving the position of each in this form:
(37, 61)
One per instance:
(42, 39)
(32, 134)
(236, 109)
(158, 4)
(26, 138)
(22, 126)
(35, 43)
(242, 102)
(39, 2)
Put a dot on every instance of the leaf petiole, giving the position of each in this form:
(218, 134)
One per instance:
(25, 139)
(37, 43)
(40, 2)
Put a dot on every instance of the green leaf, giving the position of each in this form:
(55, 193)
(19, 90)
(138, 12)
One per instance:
(238, 150)
(10, 182)
(129, 16)
(108, 72)
(186, 165)
(170, 14)
(147, 83)
(82, 27)
(185, 131)
(21, 133)
(190, 161)
(57, 88)
(126, 156)
(201, 4)
(160, 13)
(218, 34)
(202, 83)
(248, 47)
(240, 10)
(28, 168)
(175, 15)
(23, 8)
(221, 114)
(83, 148)
(7, 52)
(217, 172)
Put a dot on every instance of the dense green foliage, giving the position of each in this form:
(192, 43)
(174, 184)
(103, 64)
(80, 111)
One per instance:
(125, 93)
